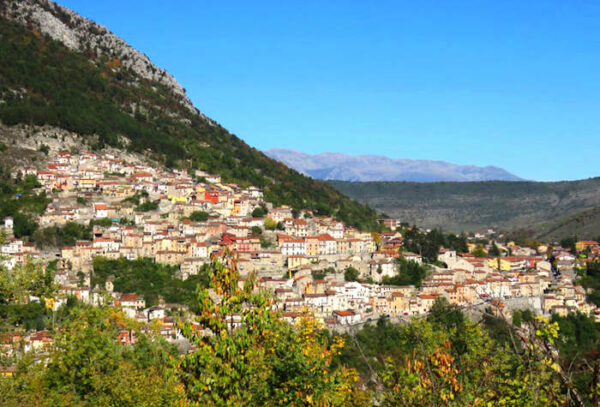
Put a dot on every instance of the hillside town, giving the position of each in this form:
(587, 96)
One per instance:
(185, 219)
(352, 204)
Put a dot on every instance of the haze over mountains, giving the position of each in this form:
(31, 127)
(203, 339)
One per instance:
(344, 167)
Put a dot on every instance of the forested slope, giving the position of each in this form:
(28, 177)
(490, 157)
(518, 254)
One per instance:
(475, 205)
(582, 225)
(92, 91)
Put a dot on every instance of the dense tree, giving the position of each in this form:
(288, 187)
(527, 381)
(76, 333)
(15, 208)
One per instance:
(33, 315)
(147, 206)
(479, 251)
(244, 354)
(259, 212)
(20, 200)
(351, 274)
(426, 244)
(494, 251)
(103, 222)
(446, 359)
(198, 216)
(59, 236)
(259, 359)
(591, 281)
(20, 282)
(569, 243)
(270, 224)
(579, 353)
(149, 279)
(409, 273)
(87, 366)
(458, 243)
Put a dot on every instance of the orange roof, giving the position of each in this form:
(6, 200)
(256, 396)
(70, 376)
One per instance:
(325, 236)
(428, 296)
(344, 313)
(129, 297)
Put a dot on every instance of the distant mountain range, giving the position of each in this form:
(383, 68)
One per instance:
(344, 167)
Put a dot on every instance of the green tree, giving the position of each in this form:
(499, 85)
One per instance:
(259, 212)
(569, 243)
(579, 353)
(270, 224)
(198, 216)
(59, 236)
(18, 283)
(147, 206)
(447, 359)
(263, 360)
(351, 274)
(148, 279)
(87, 366)
(460, 244)
(494, 251)
(479, 252)
(409, 273)
(44, 149)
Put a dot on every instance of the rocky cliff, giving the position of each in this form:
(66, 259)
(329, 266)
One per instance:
(83, 35)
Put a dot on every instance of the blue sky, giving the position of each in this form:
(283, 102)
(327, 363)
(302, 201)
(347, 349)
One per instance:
(509, 83)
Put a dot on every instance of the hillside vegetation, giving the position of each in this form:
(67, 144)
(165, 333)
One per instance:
(583, 225)
(443, 359)
(43, 82)
(475, 205)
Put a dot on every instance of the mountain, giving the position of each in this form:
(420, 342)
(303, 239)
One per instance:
(61, 70)
(343, 167)
(476, 205)
(583, 225)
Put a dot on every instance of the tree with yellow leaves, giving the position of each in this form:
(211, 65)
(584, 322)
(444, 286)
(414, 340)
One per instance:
(87, 366)
(446, 359)
(246, 355)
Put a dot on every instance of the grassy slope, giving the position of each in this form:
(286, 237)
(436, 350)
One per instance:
(583, 225)
(472, 205)
(43, 82)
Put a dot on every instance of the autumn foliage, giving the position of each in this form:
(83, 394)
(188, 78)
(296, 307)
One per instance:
(246, 354)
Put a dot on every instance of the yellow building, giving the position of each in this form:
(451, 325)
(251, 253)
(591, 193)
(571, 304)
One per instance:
(494, 263)
(297, 261)
(87, 183)
(312, 246)
(7, 371)
(506, 263)
(585, 244)
(175, 199)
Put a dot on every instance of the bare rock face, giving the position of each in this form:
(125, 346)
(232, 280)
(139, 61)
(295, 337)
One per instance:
(55, 28)
(22, 144)
(81, 34)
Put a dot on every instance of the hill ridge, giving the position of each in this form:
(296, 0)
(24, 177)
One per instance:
(477, 205)
(95, 88)
(84, 35)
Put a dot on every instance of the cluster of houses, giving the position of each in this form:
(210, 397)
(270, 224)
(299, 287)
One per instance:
(300, 258)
